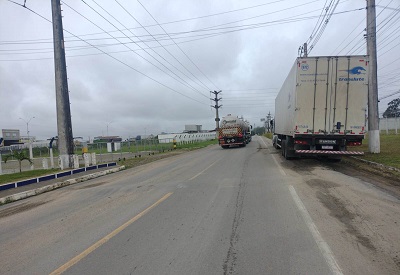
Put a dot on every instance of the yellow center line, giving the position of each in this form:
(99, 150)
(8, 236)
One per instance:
(102, 241)
(208, 167)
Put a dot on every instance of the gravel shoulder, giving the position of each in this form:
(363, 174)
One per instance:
(356, 208)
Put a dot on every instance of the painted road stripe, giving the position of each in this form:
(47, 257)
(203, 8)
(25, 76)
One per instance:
(273, 157)
(322, 245)
(208, 167)
(102, 241)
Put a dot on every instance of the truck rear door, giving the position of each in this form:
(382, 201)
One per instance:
(332, 90)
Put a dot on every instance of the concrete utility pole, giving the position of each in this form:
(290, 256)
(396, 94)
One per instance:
(216, 106)
(373, 112)
(305, 50)
(64, 125)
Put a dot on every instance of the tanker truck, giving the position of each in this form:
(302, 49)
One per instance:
(321, 108)
(233, 131)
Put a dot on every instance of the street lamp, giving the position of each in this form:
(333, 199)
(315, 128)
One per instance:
(27, 126)
(29, 140)
(108, 123)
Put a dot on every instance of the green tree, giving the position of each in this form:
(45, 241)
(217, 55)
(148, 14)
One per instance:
(20, 156)
(393, 108)
(258, 130)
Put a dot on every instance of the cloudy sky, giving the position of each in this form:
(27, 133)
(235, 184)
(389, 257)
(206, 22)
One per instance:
(146, 67)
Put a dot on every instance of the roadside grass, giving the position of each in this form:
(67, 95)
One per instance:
(390, 150)
(6, 178)
(129, 163)
(180, 148)
(268, 135)
(197, 145)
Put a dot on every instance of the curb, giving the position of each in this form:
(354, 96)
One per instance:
(377, 164)
(37, 191)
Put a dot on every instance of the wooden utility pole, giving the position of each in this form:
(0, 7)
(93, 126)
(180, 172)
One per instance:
(64, 125)
(373, 112)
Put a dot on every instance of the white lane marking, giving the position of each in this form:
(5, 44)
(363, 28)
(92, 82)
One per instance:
(279, 166)
(322, 245)
(273, 157)
(208, 167)
(263, 141)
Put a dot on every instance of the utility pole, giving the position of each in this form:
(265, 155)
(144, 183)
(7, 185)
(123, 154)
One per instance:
(64, 125)
(216, 106)
(305, 50)
(268, 122)
(373, 112)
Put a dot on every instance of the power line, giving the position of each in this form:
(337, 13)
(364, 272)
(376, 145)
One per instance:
(322, 29)
(206, 36)
(392, 94)
(178, 45)
(315, 27)
(116, 59)
(360, 40)
(162, 46)
(180, 80)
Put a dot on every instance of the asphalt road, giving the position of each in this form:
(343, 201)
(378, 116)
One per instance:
(211, 211)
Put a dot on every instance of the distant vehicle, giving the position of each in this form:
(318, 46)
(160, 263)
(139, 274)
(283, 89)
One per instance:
(320, 109)
(234, 131)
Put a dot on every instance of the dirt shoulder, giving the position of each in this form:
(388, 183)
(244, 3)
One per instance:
(379, 175)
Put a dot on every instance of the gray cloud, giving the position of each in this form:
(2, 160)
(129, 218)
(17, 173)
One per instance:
(105, 92)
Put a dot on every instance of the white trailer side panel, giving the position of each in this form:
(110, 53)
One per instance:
(285, 104)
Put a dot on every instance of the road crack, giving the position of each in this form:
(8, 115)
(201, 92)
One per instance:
(231, 257)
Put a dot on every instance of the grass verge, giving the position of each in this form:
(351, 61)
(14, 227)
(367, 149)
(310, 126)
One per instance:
(268, 135)
(390, 150)
(6, 178)
(181, 148)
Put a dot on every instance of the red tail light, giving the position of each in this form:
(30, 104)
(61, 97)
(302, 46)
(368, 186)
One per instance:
(354, 143)
(240, 135)
(303, 142)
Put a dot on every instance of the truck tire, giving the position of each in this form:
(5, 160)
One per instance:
(287, 154)
(283, 147)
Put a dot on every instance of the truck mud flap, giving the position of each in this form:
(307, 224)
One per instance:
(322, 152)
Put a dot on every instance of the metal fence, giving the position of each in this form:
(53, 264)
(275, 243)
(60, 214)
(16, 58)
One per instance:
(121, 150)
(136, 147)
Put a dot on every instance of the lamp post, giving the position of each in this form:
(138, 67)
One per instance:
(108, 123)
(29, 140)
(27, 126)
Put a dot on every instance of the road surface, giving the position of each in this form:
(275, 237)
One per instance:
(210, 211)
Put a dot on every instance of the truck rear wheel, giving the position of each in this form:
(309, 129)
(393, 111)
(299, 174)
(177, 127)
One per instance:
(285, 150)
(288, 149)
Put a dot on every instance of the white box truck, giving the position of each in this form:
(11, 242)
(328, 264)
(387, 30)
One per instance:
(321, 107)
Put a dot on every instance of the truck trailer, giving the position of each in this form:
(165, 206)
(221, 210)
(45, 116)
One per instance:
(321, 107)
(234, 131)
